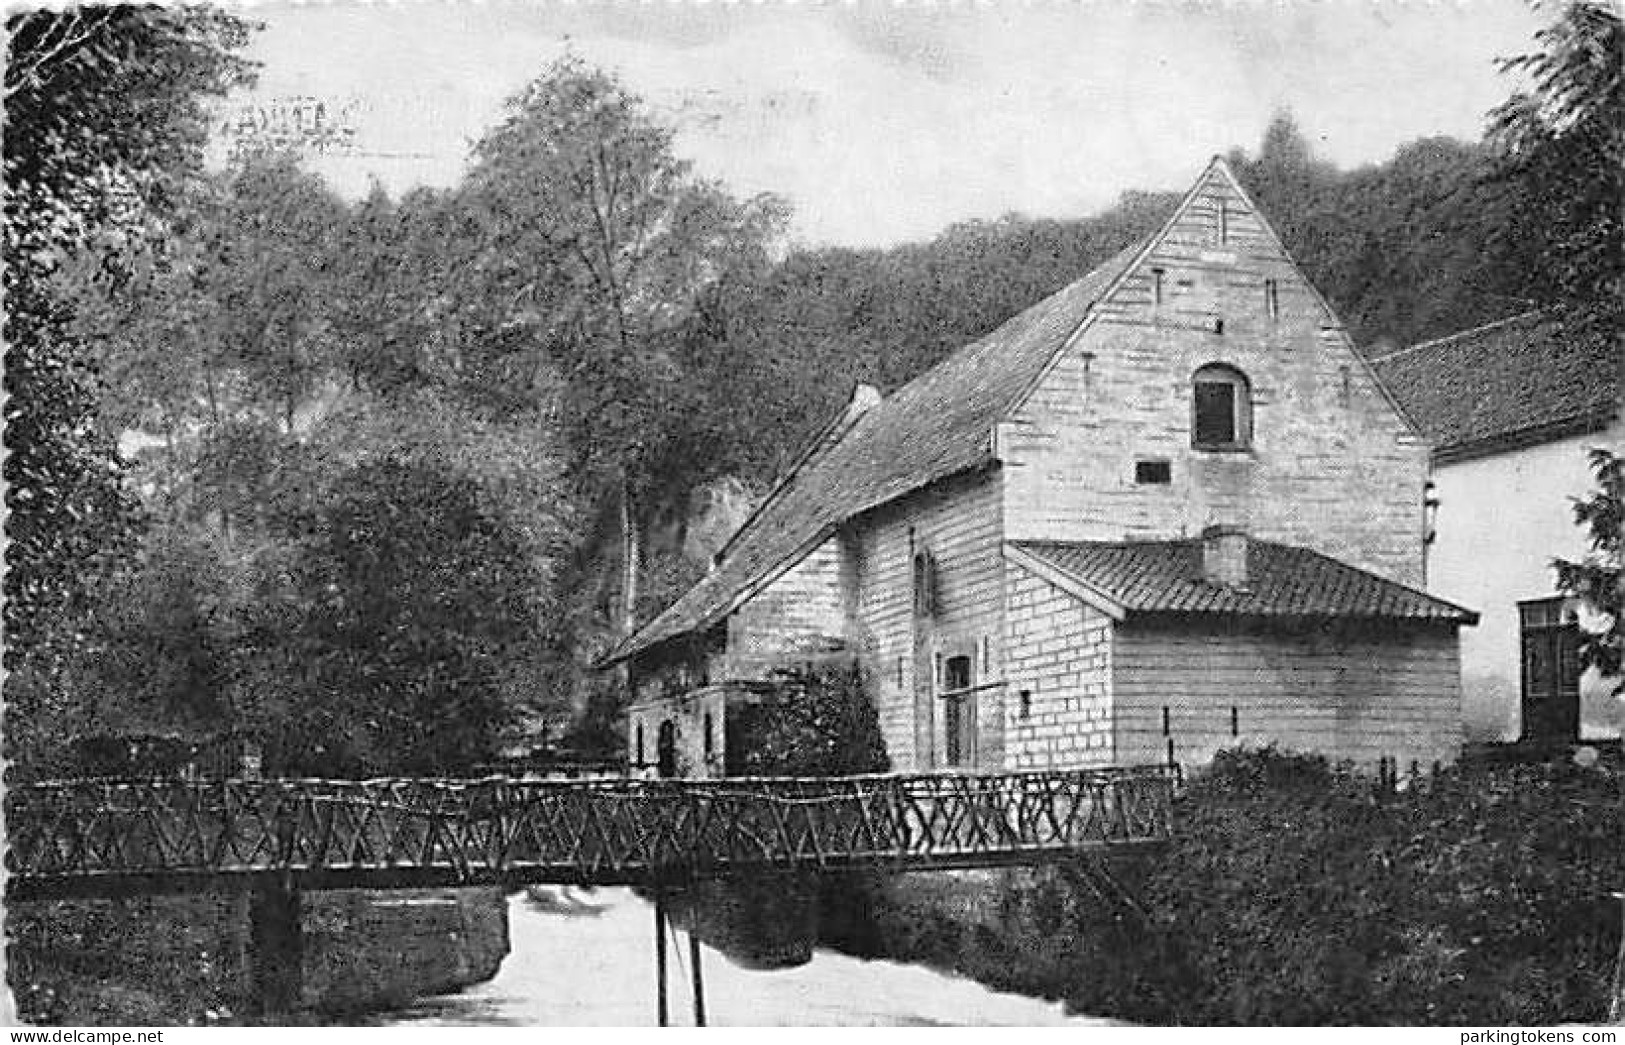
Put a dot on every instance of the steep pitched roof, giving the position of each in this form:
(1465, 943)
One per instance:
(937, 425)
(1283, 581)
(1515, 382)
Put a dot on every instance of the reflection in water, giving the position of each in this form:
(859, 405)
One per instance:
(587, 959)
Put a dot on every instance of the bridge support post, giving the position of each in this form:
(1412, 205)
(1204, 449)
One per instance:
(660, 958)
(276, 945)
(699, 980)
(1616, 1001)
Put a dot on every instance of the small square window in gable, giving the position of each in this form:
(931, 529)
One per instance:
(1153, 473)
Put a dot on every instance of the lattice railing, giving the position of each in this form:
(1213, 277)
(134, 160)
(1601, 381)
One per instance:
(590, 831)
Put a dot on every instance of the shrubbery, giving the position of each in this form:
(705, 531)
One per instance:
(1294, 894)
(816, 721)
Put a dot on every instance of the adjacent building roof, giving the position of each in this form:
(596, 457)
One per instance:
(937, 425)
(1166, 577)
(1516, 382)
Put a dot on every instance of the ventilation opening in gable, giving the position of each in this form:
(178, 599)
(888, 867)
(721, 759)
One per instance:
(1153, 473)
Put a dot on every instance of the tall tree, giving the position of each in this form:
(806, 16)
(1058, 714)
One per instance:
(218, 337)
(1419, 246)
(104, 124)
(1563, 141)
(603, 249)
(387, 621)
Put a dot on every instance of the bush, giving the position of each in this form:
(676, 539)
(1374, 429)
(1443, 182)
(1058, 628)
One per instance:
(1293, 893)
(815, 721)
(389, 629)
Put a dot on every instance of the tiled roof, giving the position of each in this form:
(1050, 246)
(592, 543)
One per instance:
(937, 425)
(1282, 581)
(1516, 381)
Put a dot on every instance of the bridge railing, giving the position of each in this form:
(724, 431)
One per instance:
(503, 829)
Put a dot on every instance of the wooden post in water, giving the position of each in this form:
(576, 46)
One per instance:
(1616, 1001)
(276, 943)
(699, 981)
(660, 958)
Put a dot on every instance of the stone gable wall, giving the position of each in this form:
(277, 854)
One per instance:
(1332, 465)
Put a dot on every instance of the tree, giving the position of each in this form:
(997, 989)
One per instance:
(1291, 183)
(104, 123)
(1417, 247)
(1563, 141)
(590, 252)
(387, 623)
(1598, 581)
(219, 337)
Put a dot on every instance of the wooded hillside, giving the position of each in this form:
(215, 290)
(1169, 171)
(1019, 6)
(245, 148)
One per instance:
(393, 472)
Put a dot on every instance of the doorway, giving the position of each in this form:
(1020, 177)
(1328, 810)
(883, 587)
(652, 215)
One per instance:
(1550, 641)
(666, 749)
(958, 712)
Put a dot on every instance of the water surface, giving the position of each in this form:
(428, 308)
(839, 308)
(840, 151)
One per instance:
(588, 959)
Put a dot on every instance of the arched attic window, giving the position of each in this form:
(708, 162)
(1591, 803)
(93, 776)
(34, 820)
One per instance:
(1221, 409)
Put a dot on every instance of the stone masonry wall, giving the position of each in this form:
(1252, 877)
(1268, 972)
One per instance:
(806, 611)
(1332, 465)
(1352, 692)
(1058, 705)
(958, 520)
(699, 731)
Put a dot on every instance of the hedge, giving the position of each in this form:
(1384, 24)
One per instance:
(1297, 893)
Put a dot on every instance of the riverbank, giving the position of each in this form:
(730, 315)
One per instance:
(184, 960)
(1294, 894)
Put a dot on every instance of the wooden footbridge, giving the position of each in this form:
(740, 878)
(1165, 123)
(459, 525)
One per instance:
(277, 838)
(93, 837)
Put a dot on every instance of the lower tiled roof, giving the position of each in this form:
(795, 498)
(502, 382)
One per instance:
(1165, 577)
(1533, 376)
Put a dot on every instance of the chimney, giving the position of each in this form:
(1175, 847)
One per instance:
(864, 399)
(1224, 556)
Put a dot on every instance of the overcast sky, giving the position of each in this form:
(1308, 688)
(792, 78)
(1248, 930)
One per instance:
(883, 123)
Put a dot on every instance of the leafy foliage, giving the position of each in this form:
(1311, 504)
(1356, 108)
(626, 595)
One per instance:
(104, 120)
(382, 638)
(605, 247)
(1599, 580)
(815, 721)
(1424, 245)
(1563, 143)
(1293, 894)
(119, 86)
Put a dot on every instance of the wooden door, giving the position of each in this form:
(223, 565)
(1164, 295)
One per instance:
(959, 712)
(1551, 672)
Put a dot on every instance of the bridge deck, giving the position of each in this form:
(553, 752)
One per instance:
(84, 837)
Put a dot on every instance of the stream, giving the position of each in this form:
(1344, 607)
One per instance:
(583, 958)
